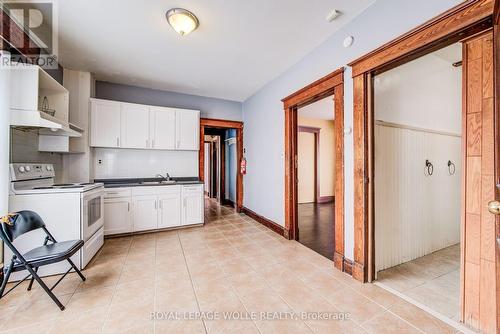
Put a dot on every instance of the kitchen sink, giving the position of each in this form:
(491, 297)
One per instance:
(157, 182)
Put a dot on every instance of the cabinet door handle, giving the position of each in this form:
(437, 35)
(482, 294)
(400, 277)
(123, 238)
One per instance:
(147, 143)
(152, 143)
(155, 206)
(128, 207)
(161, 205)
(117, 142)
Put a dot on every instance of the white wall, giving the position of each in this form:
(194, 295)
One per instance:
(24, 148)
(263, 112)
(125, 163)
(415, 213)
(426, 93)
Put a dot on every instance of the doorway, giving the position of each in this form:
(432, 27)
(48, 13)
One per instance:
(220, 165)
(471, 23)
(221, 152)
(316, 176)
(417, 179)
(329, 88)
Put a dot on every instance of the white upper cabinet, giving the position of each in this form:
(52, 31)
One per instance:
(105, 123)
(125, 125)
(162, 129)
(188, 130)
(135, 126)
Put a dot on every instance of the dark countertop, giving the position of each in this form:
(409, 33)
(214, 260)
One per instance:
(144, 182)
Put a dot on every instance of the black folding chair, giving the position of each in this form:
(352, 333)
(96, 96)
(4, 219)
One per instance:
(23, 222)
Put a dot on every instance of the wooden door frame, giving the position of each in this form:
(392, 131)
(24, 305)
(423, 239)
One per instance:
(330, 85)
(223, 124)
(466, 19)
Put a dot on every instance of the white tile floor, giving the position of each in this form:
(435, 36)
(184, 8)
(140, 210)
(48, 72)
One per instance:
(433, 280)
(231, 264)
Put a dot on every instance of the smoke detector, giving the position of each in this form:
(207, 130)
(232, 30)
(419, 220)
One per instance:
(333, 15)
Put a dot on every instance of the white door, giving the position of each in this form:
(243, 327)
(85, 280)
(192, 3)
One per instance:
(170, 210)
(162, 128)
(188, 130)
(117, 217)
(105, 124)
(135, 126)
(145, 213)
(192, 209)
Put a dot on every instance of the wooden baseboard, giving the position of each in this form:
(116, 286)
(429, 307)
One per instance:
(348, 266)
(338, 261)
(228, 202)
(264, 221)
(345, 265)
(358, 272)
(326, 199)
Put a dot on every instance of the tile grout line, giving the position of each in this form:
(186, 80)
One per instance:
(192, 283)
(115, 286)
(426, 309)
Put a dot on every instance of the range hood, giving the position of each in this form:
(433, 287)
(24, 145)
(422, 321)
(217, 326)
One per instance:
(35, 119)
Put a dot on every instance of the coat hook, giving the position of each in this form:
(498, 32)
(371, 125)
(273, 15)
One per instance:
(429, 167)
(451, 168)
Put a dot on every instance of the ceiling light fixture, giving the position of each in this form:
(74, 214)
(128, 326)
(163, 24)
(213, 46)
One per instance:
(182, 20)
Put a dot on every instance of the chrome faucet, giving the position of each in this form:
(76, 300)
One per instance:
(165, 178)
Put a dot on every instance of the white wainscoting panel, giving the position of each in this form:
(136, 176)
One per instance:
(415, 214)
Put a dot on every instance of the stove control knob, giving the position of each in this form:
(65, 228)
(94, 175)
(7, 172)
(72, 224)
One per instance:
(21, 169)
(28, 168)
(49, 168)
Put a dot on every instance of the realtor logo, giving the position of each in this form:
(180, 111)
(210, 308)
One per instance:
(30, 28)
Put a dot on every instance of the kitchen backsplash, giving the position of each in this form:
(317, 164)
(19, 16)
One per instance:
(121, 163)
(24, 148)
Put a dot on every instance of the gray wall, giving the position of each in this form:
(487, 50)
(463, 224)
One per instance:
(209, 107)
(263, 112)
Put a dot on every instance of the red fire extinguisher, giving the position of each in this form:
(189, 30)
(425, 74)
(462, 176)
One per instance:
(243, 166)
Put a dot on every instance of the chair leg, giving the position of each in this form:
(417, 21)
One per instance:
(32, 280)
(77, 271)
(44, 287)
(5, 280)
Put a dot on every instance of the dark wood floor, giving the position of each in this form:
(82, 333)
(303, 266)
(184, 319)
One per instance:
(316, 230)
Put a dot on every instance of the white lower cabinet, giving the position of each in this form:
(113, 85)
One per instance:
(192, 205)
(145, 212)
(170, 210)
(117, 217)
(149, 208)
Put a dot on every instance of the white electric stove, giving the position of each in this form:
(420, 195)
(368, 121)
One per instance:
(70, 211)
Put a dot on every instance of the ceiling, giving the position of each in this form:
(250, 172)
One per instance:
(238, 48)
(322, 109)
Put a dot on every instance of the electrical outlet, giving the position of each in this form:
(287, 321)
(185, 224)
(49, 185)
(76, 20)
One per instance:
(99, 161)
